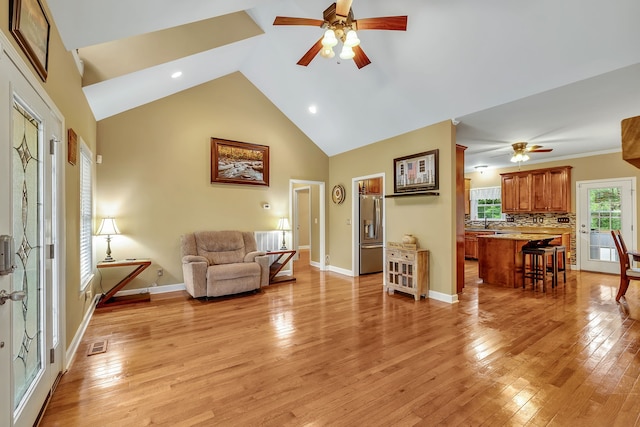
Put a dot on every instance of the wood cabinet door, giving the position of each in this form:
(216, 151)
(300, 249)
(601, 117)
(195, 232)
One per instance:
(509, 194)
(523, 183)
(539, 191)
(559, 199)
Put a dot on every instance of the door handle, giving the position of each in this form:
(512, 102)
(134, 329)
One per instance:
(13, 296)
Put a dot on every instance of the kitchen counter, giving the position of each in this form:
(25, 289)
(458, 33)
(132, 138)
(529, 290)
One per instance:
(521, 236)
(500, 256)
(523, 230)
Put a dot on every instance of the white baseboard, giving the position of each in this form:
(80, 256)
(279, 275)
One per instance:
(439, 296)
(75, 343)
(153, 290)
(340, 270)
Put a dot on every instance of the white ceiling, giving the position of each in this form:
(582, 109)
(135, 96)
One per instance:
(562, 74)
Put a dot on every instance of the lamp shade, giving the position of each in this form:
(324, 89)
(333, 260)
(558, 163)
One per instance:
(108, 227)
(283, 224)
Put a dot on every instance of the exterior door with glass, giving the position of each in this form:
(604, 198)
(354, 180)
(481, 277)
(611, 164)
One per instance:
(604, 206)
(30, 348)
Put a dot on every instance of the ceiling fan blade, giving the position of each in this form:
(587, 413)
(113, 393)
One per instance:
(343, 7)
(286, 20)
(396, 23)
(311, 53)
(361, 59)
(538, 150)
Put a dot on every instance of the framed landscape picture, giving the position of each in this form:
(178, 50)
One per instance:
(234, 162)
(30, 27)
(416, 173)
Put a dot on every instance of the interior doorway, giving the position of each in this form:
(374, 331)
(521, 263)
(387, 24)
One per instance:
(368, 226)
(307, 206)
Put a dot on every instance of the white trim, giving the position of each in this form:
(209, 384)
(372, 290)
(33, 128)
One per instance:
(339, 270)
(314, 264)
(304, 247)
(77, 339)
(153, 290)
(439, 296)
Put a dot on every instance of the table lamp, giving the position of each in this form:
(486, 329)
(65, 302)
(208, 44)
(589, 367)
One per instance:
(108, 228)
(283, 224)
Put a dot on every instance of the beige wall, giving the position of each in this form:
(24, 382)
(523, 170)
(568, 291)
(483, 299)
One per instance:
(64, 87)
(430, 218)
(155, 175)
(604, 166)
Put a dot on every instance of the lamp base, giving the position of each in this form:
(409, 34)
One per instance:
(108, 259)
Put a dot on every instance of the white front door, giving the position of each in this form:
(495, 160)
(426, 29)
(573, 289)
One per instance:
(30, 339)
(604, 206)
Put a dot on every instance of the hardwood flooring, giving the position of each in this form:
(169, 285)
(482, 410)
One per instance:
(333, 350)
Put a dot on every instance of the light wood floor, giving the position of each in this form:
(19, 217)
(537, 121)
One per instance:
(333, 350)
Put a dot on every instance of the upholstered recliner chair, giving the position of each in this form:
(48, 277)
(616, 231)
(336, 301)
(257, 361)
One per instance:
(216, 263)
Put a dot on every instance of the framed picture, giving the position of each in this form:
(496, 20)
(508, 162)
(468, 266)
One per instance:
(234, 162)
(416, 173)
(30, 27)
(72, 146)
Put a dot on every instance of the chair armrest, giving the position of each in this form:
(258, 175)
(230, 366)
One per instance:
(251, 256)
(193, 258)
(194, 270)
(263, 261)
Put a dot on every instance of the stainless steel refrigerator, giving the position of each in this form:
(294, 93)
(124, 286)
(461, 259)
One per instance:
(371, 244)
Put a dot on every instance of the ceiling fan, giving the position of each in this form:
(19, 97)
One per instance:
(341, 25)
(520, 151)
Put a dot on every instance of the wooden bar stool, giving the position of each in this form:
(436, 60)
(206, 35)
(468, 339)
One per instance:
(561, 262)
(534, 265)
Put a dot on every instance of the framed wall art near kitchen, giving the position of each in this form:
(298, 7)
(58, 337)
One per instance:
(416, 173)
(30, 27)
(234, 162)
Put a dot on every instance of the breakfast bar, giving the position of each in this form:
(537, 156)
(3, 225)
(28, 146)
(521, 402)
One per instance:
(500, 257)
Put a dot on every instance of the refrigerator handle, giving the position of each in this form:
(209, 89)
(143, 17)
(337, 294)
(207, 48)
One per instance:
(377, 216)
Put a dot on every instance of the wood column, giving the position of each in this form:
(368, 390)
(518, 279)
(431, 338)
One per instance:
(460, 217)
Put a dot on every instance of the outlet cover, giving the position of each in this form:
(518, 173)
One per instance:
(511, 219)
(564, 220)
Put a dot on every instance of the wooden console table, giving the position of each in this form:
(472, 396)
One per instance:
(109, 299)
(277, 265)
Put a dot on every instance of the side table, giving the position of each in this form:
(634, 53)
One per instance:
(277, 265)
(109, 299)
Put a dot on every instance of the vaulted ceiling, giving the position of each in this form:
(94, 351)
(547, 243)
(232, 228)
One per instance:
(562, 74)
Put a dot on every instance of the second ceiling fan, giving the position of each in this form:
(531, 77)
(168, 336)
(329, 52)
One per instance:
(341, 25)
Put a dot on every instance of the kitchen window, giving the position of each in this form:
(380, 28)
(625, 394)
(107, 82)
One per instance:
(486, 203)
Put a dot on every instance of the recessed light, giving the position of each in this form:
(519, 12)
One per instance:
(176, 74)
(313, 109)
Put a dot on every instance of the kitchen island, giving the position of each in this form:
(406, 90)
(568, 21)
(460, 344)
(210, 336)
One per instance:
(500, 257)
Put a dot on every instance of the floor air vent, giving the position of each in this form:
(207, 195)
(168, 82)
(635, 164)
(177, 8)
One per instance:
(97, 348)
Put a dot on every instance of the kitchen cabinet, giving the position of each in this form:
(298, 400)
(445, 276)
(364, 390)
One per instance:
(471, 243)
(516, 193)
(537, 191)
(407, 271)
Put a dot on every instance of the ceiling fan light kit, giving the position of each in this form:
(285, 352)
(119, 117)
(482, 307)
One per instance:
(520, 151)
(340, 25)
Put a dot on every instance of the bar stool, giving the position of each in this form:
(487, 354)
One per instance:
(534, 265)
(561, 255)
